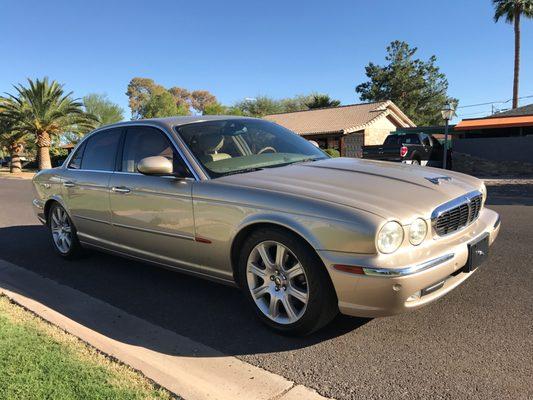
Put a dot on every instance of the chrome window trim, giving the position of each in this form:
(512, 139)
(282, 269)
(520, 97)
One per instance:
(412, 269)
(172, 139)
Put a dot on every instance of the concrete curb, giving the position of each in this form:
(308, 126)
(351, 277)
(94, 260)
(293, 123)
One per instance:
(184, 367)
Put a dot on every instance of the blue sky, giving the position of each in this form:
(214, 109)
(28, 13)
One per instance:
(238, 49)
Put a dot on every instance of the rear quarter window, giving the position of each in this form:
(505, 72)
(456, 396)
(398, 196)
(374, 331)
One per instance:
(75, 161)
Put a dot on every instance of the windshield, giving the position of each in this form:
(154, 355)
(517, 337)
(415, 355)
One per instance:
(226, 147)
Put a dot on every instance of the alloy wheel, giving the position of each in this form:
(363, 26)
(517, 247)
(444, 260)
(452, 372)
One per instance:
(61, 230)
(277, 282)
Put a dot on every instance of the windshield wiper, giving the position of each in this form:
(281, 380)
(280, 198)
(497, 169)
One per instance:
(295, 162)
(243, 171)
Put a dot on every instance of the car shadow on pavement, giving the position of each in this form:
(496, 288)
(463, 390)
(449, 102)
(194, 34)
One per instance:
(210, 313)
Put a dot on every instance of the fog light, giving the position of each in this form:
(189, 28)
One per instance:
(414, 296)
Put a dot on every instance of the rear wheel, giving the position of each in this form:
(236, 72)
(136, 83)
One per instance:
(63, 233)
(286, 282)
(415, 161)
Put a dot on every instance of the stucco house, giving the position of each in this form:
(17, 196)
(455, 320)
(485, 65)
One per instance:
(346, 128)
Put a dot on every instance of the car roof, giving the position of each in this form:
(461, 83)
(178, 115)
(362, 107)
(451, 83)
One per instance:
(171, 122)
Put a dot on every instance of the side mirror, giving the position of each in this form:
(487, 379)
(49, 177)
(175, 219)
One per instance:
(156, 165)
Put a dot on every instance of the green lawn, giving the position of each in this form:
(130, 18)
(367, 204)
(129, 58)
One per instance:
(39, 361)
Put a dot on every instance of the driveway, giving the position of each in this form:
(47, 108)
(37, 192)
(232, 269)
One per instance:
(475, 343)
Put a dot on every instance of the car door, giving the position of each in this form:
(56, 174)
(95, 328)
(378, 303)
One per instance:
(86, 185)
(152, 215)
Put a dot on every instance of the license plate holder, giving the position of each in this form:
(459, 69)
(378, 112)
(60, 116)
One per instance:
(478, 252)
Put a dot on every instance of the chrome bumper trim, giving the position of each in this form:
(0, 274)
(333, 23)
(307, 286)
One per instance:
(37, 204)
(413, 269)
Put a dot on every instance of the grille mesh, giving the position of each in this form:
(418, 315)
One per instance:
(458, 217)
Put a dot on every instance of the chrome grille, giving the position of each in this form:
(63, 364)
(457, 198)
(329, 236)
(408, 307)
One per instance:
(457, 214)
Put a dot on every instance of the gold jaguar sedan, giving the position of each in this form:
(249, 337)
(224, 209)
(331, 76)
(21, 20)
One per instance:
(246, 202)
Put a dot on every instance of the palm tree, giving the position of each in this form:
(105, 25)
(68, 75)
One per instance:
(43, 110)
(512, 10)
(322, 101)
(12, 140)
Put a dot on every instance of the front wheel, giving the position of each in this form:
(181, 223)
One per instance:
(286, 282)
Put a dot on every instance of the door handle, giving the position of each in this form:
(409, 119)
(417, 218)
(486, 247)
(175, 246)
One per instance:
(69, 184)
(120, 189)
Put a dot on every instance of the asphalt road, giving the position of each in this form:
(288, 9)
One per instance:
(476, 343)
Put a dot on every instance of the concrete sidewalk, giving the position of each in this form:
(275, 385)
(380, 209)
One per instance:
(187, 368)
(4, 173)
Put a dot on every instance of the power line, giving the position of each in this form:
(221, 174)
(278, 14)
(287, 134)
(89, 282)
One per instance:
(494, 102)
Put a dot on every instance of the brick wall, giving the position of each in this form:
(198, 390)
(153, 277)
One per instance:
(377, 132)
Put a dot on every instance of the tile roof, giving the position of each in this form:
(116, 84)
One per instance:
(524, 110)
(508, 121)
(343, 119)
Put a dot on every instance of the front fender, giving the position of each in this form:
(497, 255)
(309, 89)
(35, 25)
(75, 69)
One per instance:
(353, 236)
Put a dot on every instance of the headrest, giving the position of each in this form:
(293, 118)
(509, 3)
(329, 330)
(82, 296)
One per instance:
(210, 143)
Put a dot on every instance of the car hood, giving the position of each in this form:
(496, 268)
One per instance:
(389, 190)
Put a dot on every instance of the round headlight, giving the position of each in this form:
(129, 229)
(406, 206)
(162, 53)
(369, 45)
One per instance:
(417, 231)
(390, 237)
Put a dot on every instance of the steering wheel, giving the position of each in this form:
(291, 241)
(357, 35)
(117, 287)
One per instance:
(268, 148)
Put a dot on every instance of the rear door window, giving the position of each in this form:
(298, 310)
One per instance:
(101, 150)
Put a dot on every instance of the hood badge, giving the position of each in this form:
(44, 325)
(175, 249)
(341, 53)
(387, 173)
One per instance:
(437, 179)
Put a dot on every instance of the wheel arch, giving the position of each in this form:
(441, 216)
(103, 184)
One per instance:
(262, 223)
(50, 202)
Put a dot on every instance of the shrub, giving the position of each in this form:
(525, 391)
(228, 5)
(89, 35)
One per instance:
(332, 152)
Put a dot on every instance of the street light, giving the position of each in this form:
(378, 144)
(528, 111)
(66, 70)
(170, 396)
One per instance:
(447, 113)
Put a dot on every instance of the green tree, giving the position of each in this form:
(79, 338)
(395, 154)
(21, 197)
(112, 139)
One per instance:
(105, 111)
(182, 97)
(159, 106)
(140, 91)
(414, 85)
(260, 106)
(321, 101)
(200, 99)
(220, 109)
(44, 110)
(513, 10)
(296, 103)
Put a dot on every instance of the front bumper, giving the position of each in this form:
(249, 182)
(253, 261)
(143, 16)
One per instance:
(38, 208)
(391, 280)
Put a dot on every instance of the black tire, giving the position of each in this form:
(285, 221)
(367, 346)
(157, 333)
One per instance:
(322, 305)
(415, 161)
(75, 251)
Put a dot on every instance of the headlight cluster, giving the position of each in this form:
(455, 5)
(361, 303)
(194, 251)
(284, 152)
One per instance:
(390, 237)
(417, 231)
(484, 193)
